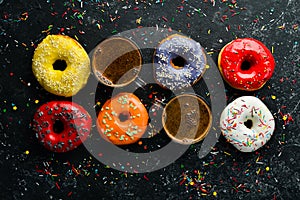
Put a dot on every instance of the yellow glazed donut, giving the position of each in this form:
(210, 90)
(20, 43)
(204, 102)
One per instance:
(61, 65)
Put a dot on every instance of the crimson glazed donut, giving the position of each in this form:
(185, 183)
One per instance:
(61, 126)
(179, 62)
(246, 64)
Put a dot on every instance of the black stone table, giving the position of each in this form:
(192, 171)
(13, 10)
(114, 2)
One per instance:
(28, 171)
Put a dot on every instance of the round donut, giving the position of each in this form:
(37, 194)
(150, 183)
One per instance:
(123, 119)
(246, 64)
(179, 62)
(61, 65)
(61, 126)
(247, 123)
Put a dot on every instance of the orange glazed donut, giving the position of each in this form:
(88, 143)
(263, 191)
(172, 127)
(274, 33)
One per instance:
(123, 119)
(246, 64)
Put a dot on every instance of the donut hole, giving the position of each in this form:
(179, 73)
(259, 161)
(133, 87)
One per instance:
(248, 123)
(60, 65)
(124, 116)
(178, 62)
(246, 65)
(58, 126)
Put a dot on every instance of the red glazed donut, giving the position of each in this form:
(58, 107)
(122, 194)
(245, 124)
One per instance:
(61, 126)
(246, 64)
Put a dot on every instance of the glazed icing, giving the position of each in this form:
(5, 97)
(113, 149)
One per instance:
(69, 81)
(189, 51)
(247, 137)
(74, 120)
(256, 56)
(123, 119)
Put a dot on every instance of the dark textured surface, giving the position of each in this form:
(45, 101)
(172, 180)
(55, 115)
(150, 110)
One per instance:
(28, 171)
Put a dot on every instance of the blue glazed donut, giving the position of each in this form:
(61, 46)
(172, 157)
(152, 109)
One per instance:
(179, 62)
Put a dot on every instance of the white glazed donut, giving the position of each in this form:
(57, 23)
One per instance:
(247, 123)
